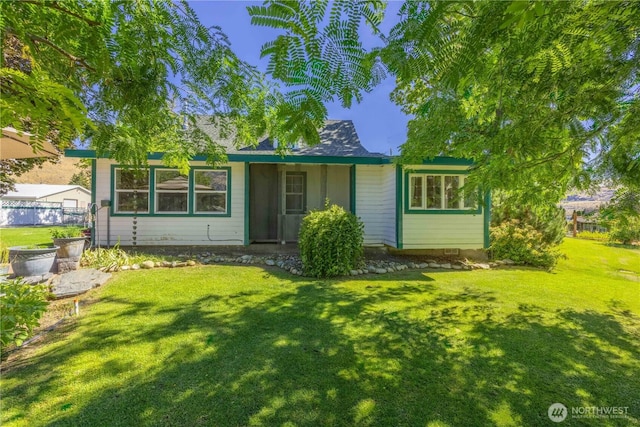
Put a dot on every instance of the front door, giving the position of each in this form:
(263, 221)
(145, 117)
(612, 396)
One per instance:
(263, 202)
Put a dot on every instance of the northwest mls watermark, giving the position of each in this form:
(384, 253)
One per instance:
(557, 412)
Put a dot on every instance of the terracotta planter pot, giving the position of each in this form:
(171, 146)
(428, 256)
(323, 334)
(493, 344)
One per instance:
(27, 262)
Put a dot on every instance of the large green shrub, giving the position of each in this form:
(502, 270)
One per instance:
(625, 230)
(331, 242)
(21, 306)
(522, 243)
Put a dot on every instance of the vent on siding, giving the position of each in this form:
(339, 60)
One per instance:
(451, 251)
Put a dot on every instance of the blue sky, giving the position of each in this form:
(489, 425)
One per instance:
(379, 122)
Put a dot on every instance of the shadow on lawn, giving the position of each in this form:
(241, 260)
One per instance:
(318, 353)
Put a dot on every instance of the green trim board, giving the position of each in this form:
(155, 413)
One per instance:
(274, 158)
(256, 158)
(247, 222)
(352, 189)
(408, 211)
(190, 197)
(399, 214)
(487, 219)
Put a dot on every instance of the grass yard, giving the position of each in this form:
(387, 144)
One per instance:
(25, 236)
(230, 346)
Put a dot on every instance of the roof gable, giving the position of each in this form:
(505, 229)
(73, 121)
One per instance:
(338, 138)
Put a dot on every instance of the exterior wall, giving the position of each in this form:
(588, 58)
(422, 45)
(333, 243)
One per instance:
(338, 185)
(375, 203)
(83, 198)
(171, 230)
(441, 229)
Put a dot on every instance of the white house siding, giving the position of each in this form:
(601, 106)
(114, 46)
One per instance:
(375, 203)
(441, 231)
(177, 230)
(388, 207)
(433, 231)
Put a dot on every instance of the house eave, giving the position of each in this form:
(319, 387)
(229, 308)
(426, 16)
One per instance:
(291, 159)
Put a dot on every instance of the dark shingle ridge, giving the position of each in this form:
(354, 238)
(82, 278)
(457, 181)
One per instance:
(338, 138)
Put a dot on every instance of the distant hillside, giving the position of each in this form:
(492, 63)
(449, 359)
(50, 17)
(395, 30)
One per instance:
(587, 202)
(51, 173)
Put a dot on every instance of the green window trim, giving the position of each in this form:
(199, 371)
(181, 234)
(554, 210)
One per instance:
(152, 194)
(431, 211)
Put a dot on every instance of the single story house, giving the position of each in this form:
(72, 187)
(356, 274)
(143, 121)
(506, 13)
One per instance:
(44, 204)
(260, 196)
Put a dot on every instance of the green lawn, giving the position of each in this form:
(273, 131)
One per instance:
(25, 236)
(230, 346)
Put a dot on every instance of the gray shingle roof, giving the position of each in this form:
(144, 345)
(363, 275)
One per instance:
(338, 138)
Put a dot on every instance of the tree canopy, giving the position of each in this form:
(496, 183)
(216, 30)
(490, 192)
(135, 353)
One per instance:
(541, 95)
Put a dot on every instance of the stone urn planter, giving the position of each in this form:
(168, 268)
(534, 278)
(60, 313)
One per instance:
(32, 261)
(70, 247)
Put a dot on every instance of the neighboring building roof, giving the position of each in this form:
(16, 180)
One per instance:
(337, 139)
(39, 191)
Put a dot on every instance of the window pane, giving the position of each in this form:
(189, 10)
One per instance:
(129, 180)
(171, 180)
(172, 202)
(434, 192)
(126, 202)
(416, 192)
(294, 203)
(211, 202)
(471, 199)
(451, 185)
(211, 180)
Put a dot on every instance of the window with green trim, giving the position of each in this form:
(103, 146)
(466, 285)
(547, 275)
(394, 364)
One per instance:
(210, 191)
(439, 192)
(131, 191)
(171, 191)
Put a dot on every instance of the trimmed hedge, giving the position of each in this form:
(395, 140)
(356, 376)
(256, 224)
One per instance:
(331, 242)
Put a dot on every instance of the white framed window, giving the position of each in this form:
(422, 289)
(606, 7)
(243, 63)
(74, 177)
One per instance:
(439, 192)
(171, 191)
(295, 192)
(131, 191)
(210, 191)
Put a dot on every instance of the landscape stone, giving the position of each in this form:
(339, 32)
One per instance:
(508, 261)
(434, 265)
(423, 265)
(148, 264)
(270, 262)
(191, 263)
(380, 270)
(135, 267)
(456, 267)
(77, 282)
(446, 265)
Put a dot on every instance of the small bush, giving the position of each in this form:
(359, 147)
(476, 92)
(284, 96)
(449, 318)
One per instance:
(21, 306)
(593, 235)
(331, 242)
(522, 243)
(66, 232)
(107, 259)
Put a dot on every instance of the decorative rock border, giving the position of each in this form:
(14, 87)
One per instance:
(293, 264)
